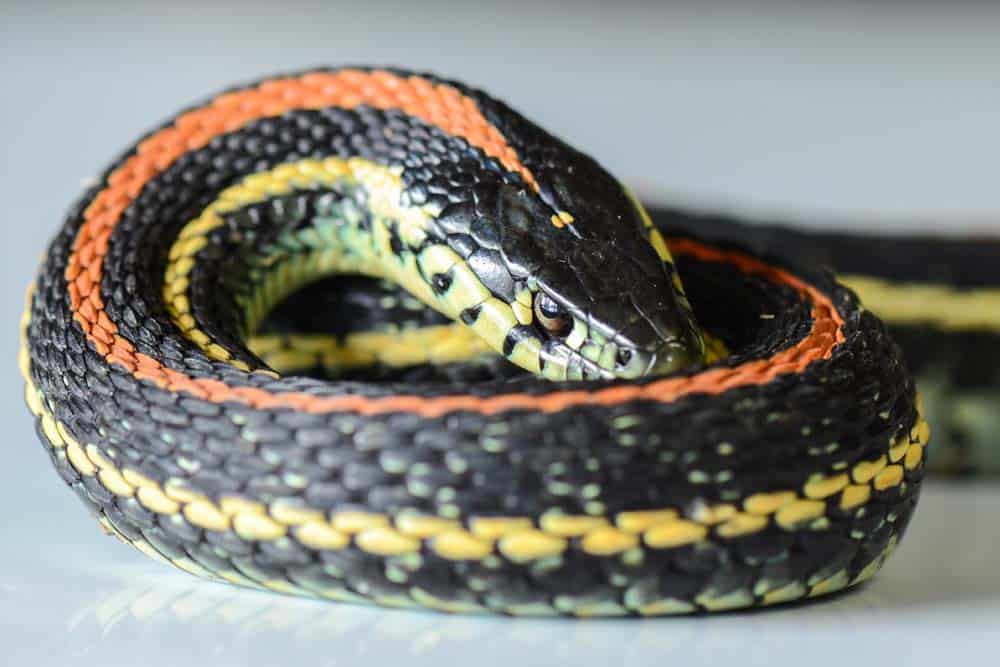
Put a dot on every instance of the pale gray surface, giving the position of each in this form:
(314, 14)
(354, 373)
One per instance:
(841, 111)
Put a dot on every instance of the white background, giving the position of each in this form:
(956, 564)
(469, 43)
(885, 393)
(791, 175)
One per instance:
(863, 114)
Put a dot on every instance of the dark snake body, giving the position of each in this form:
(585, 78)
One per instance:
(787, 467)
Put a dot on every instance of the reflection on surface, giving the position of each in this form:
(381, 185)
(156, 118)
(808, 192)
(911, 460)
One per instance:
(228, 622)
(98, 601)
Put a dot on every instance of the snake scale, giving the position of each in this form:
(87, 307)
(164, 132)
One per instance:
(602, 439)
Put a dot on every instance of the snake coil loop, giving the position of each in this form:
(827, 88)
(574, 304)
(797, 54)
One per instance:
(613, 469)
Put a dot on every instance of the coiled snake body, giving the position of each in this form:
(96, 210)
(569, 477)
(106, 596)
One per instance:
(761, 444)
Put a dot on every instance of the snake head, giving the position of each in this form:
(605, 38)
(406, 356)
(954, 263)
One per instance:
(608, 311)
(605, 300)
(588, 293)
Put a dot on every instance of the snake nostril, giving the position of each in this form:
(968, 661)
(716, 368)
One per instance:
(623, 357)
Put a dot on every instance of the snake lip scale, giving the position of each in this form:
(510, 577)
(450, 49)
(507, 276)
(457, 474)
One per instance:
(630, 470)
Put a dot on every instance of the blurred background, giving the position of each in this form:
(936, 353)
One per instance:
(879, 116)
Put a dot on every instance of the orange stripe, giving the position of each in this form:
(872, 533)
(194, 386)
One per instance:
(445, 107)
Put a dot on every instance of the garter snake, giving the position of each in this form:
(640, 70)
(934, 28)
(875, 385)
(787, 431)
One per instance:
(748, 438)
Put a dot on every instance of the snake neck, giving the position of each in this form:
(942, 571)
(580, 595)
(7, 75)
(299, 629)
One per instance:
(314, 219)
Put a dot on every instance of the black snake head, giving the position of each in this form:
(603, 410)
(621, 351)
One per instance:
(605, 303)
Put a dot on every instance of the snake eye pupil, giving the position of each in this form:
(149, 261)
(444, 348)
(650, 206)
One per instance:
(551, 315)
(547, 306)
(441, 282)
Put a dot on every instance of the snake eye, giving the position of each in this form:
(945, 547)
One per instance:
(551, 315)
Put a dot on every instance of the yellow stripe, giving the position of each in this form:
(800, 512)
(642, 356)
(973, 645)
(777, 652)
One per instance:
(437, 344)
(383, 185)
(950, 308)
